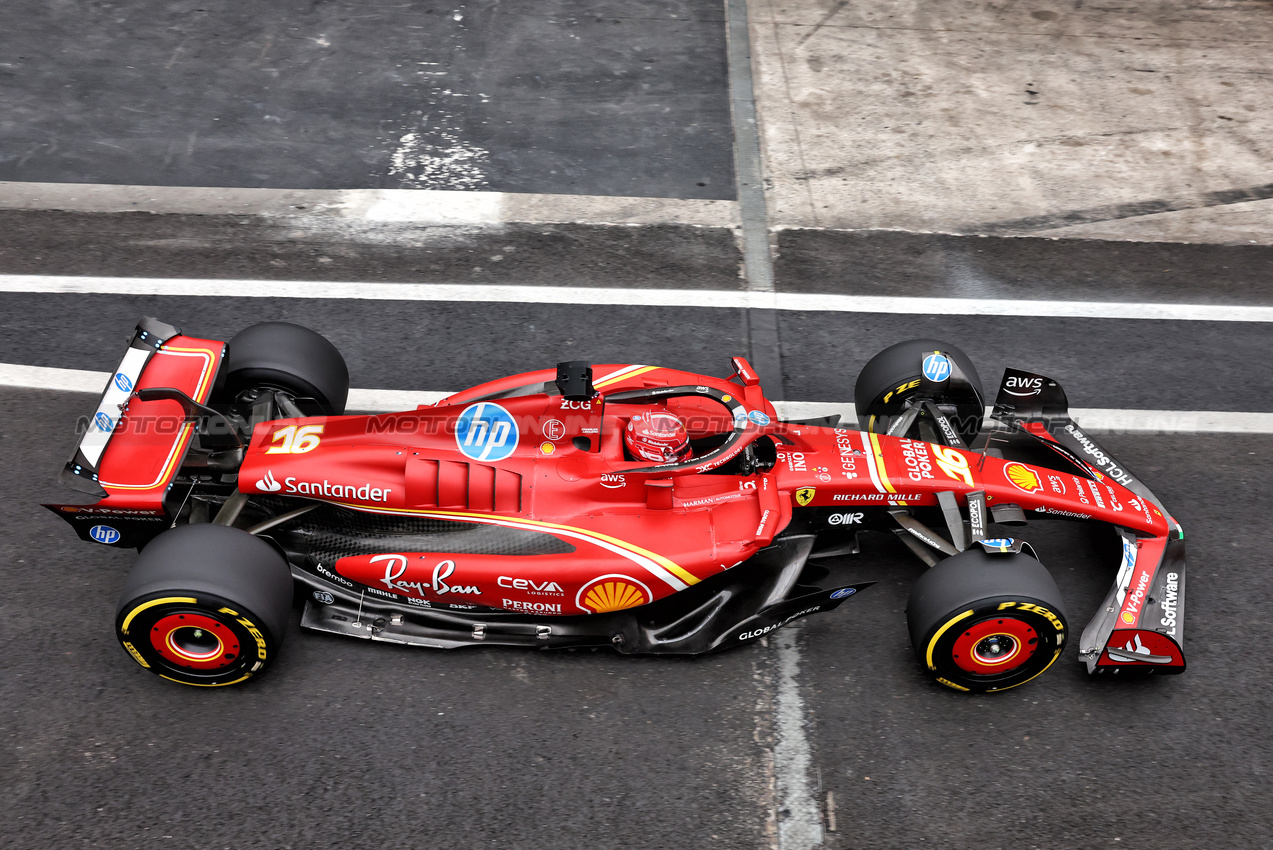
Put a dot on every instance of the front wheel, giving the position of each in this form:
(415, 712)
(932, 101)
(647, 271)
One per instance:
(982, 622)
(205, 605)
(892, 378)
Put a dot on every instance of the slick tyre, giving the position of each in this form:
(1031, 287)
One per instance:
(892, 377)
(981, 622)
(205, 605)
(283, 356)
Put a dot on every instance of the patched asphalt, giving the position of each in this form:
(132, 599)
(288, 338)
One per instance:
(367, 743)
(345, 743)
(605, 98)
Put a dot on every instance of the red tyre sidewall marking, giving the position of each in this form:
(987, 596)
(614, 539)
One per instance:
(1022, 633)
(162, 632)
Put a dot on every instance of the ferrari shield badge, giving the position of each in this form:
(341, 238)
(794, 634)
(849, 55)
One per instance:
(805, 495)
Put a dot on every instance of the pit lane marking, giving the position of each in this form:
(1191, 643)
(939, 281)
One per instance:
(1094, 420)
(623, 296)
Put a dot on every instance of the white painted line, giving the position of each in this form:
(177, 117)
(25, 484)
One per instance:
(408, 206)
(1095, 420)
(389, 401)
(371, 291)
(45, 378)
(799, 821)
(617, 296)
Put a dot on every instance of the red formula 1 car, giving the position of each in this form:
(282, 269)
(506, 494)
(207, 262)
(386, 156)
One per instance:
(636, 507)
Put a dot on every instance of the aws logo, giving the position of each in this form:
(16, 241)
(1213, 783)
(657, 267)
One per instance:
(1023, 387)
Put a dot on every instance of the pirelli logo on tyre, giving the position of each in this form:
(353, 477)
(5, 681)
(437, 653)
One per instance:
(132, 650)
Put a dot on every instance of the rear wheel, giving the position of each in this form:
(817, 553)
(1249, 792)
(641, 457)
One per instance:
(205, 605)
(982, 622)
(288, 357)
(892, 377)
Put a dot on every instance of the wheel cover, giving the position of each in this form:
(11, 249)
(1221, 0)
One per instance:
(194, 641)
(995, 646)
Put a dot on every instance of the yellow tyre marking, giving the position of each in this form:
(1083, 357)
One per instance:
(132, 650)
(151, 604)
(206, 684)
(932, 643)
(1055, 656)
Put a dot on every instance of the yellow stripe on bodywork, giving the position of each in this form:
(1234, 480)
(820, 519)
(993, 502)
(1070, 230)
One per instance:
(176, 454)
(676, 570)
(151, 604)
(878, 454)
(205, 380)
(622, 375)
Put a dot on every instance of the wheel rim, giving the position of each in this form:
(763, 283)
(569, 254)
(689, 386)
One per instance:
(995, 646)
(194, 641)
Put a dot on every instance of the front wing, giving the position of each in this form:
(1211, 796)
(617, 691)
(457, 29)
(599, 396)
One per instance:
(1140, 625)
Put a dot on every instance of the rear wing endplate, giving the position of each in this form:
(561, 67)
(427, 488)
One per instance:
(80, 472)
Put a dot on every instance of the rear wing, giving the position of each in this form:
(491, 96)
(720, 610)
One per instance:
(130, 450)
(1141, 622)
(81, 471)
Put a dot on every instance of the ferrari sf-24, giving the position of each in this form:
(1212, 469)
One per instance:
(640, 508)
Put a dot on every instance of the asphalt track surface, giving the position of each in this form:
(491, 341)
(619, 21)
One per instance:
(353, 745)
(357, 744)
(611, 97)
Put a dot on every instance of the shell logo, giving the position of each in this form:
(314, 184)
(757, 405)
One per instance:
(1129, 618)
(1023, 477)
(612, 593)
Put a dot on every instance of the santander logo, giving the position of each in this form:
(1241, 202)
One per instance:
(268, 483)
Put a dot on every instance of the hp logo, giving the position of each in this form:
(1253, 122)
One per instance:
(999, 542)
(123, 382)
(843, 592)
(936, 367)
(103, 422)
(486, 432)
(103, 534)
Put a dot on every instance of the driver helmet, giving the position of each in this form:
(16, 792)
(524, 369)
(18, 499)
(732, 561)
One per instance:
(656, 436)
